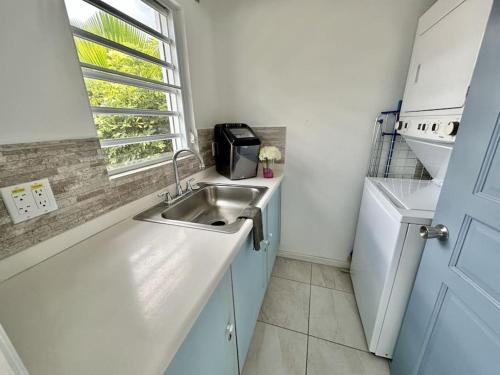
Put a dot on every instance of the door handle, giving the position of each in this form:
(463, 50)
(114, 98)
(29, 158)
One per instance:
(439, 231)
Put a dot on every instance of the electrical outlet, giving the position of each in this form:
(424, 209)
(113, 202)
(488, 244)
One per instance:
(40, 195)
(28, 200)
(23, 200)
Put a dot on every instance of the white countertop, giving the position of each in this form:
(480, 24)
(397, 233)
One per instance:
(123, 300)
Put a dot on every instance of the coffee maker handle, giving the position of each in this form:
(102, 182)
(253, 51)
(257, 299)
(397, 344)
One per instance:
(215, 149)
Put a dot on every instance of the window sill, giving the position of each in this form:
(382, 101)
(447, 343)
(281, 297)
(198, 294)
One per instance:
(140, 170)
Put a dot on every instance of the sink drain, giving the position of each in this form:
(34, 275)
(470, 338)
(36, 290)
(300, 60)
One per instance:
(218, 223)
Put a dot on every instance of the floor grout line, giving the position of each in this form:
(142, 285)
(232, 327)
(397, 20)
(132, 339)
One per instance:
(286, 278)
(307, 352)
(310, 283)
(309, 318)
(315, 337)
(341, 269)
(319, 286)
(337, 290)
(338, 343)
(288, 329)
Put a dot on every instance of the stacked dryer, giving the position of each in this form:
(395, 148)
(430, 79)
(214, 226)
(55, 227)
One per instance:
(387, 248)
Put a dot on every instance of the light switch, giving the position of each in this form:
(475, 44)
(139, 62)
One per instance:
(28, 200)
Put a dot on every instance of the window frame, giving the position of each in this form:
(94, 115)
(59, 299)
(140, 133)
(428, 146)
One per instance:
(184, 133)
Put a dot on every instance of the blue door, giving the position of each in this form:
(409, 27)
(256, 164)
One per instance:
(452, 325)
(273, 229)
(210, 347)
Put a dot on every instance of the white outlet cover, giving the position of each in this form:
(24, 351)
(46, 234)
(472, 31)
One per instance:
(28, 200)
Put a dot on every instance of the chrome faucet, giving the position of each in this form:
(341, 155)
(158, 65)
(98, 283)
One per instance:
(178, 186)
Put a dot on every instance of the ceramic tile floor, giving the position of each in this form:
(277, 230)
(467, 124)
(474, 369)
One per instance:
(309, 324)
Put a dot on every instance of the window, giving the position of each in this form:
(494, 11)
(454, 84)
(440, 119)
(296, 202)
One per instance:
(128, 56)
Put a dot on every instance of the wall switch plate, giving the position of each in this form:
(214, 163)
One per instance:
(28, 200)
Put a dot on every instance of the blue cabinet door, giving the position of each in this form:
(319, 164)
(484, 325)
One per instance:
(210, 347)
(249, 274)
(273, 229)
(452, 324)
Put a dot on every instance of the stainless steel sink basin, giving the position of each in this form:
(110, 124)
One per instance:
(212, 207)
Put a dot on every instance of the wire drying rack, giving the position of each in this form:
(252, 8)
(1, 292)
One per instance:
(390, 155)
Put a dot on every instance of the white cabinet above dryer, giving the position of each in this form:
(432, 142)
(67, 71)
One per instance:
(445, 51)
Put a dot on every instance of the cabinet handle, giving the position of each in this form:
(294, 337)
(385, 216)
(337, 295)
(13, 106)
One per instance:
(229, 331)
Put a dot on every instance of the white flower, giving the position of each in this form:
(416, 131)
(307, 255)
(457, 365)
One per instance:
(270, 153)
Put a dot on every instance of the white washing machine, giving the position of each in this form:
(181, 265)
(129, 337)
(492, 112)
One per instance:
(387, 247)
(387, 253)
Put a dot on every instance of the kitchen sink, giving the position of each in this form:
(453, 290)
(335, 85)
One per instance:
(214, 207)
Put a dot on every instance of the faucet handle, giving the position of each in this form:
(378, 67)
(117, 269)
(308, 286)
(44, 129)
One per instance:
(190, 187)
(166, 195)
(179, 190)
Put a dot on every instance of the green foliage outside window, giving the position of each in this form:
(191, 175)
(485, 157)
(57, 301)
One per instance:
(107, 94)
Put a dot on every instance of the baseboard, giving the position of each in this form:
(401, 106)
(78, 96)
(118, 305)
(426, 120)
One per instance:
(314, 259)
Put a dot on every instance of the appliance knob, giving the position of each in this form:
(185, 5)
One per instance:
(452, 128)
(399, 125)
(435, 127)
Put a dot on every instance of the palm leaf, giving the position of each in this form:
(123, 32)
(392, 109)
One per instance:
(92, 53)
(112, 28)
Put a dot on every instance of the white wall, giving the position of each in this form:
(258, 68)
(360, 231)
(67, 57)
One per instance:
(201, 61)
(324, 69)
(42, 94)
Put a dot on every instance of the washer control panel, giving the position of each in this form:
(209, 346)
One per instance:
(442, 129)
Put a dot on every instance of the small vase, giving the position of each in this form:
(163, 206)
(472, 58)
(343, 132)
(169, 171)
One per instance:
(267, 168)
